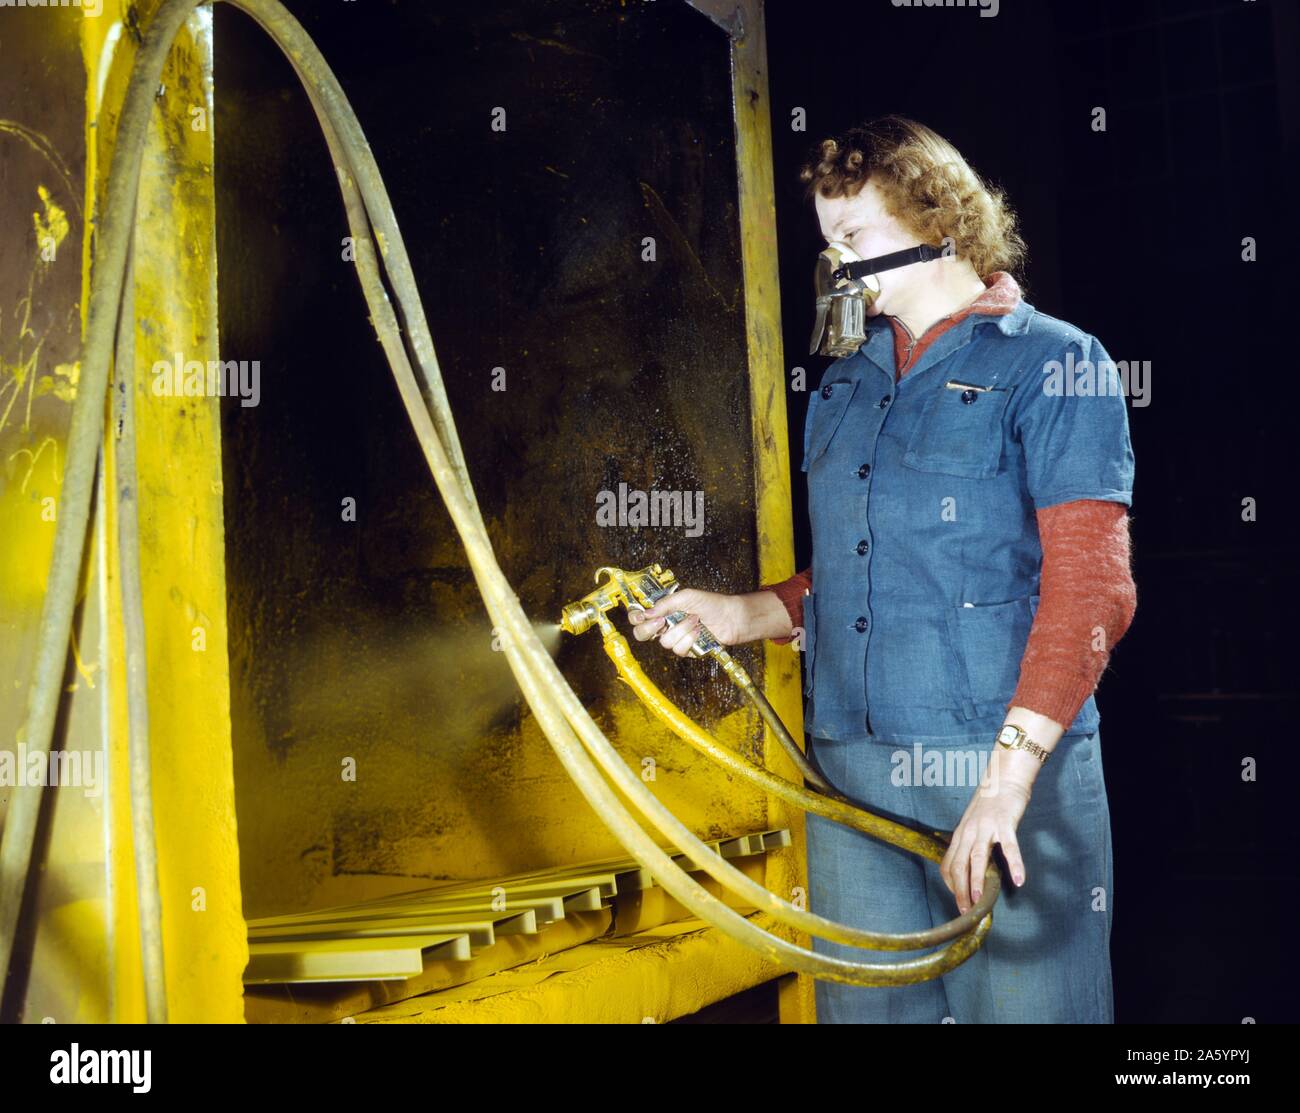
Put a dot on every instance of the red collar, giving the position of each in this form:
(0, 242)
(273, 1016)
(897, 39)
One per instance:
(1001, 296)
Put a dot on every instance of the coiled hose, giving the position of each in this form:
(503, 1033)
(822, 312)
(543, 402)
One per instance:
(578, 743)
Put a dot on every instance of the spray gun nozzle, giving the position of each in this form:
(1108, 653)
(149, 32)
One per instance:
(578, 618)
(630, 589)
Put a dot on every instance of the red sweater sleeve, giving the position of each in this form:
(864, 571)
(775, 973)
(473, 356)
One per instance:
(791, 593)
(1087, 600)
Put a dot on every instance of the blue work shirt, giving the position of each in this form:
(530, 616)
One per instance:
(922, 496)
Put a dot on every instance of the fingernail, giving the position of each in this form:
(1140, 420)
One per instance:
(1018, 878)
(975, 894)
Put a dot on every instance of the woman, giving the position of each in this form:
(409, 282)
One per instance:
(969, 469)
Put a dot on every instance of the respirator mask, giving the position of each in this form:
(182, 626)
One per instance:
(847, 286)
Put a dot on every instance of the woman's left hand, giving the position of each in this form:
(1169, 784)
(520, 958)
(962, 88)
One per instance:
(991, 817)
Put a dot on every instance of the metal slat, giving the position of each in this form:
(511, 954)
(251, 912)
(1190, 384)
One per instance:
(481, 932)
(547, 898)
(547, 886)
(475, 912)
(345, 960)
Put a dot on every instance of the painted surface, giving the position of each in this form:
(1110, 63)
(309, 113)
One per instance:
(363, 641)
(786, 873)
(61, 957)
(377, 729)
(666, 972)
(66, 74)
(182, 543)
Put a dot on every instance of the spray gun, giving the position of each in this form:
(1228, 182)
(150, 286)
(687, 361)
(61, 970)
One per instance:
(636, 591)
(642, 590)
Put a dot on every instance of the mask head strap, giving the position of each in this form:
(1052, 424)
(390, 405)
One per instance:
(863, 267)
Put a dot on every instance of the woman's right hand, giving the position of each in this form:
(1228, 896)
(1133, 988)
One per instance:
(732, 619)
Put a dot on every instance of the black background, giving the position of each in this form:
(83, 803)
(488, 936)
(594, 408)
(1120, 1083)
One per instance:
(1135, 236)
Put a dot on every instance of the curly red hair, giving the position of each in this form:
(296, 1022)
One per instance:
(926, 184)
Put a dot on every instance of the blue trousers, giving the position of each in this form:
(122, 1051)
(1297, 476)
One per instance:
(1047, 957)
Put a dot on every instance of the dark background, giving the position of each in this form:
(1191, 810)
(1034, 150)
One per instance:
(1135, 236)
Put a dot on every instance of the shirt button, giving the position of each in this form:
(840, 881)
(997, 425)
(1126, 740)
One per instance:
(884, 401)
(861, 625)
(863, 546)
(863, 471)
(826, 392)
(968, 396)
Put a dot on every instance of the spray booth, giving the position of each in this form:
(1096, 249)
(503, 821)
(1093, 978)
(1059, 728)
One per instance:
(341, 802)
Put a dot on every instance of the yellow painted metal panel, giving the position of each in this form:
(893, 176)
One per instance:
(85, 948)
(786, 873)
(182, 544)
(61, 956)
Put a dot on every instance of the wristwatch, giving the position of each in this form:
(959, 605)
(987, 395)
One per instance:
(1014, 738)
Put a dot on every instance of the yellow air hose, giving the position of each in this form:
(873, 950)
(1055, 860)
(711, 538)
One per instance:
(578, 743)
(929, 844)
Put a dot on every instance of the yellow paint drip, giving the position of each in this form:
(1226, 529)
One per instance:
(62, 384)
(51, 226)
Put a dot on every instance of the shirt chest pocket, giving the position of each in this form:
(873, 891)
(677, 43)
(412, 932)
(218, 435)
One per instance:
(826, 410)
(960, 430)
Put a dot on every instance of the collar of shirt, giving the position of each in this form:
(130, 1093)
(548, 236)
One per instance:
(1001, 298)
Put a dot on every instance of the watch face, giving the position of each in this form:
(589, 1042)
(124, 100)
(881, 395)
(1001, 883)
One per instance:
(1008, 735)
